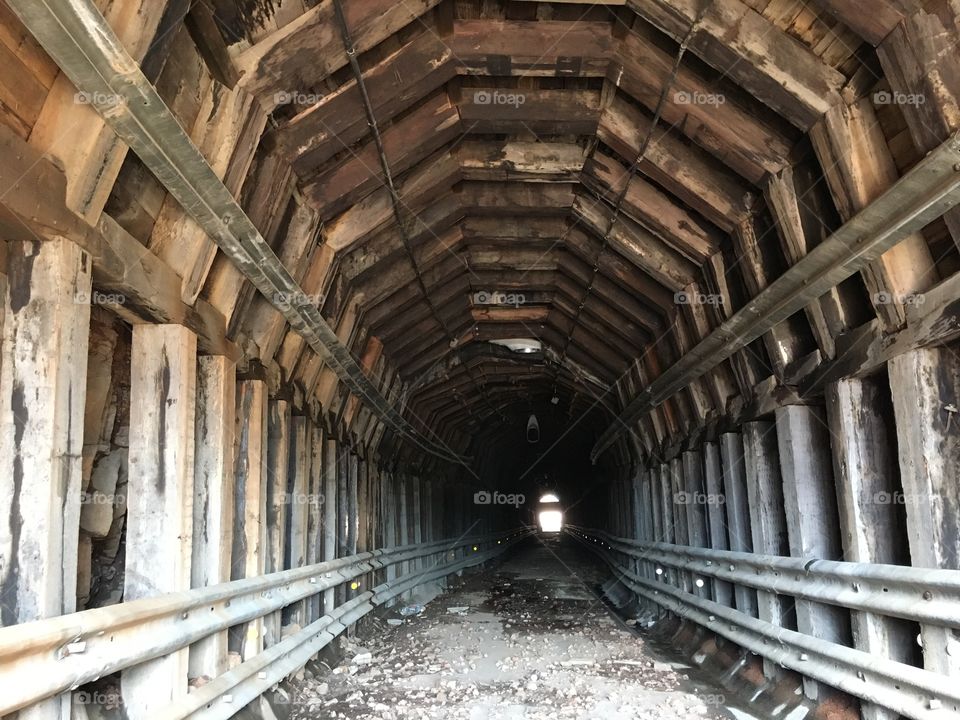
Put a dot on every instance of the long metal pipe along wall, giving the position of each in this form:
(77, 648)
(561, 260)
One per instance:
(922, 195)
(76, 36)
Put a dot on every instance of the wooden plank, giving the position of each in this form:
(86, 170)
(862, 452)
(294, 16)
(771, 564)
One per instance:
(518, 160)
(696, 180)
(46, 325)
(250, 512)
(812, 519)
(695, 504)
(163, 381)
(548, 48)
(276, 63)
(858, 168)
(546, 111)
(330, 504)
(278, 458)
(92, 158)
(299, 504)
(767, 521)
(315, 509)
(426, 129)
(865, 469)
(872, 21)
(736, 40)
(925, 385)
(213, 486)
(713, 115)
(716, 517)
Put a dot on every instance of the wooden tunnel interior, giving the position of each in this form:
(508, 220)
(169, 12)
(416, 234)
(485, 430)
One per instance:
(708, 247)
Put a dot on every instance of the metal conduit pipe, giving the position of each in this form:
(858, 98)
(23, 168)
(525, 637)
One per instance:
(78, 38)
(925, 193)
(905, 689)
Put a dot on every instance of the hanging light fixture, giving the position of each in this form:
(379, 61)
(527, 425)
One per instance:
(533, 429)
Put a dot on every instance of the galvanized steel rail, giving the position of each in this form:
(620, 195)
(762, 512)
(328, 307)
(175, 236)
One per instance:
(43, 658)
(882, 589)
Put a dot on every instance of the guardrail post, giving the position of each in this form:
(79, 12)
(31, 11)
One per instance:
(299, 502)
(812, 519)
(767, 520)
(864, 466)
(737, 509)
(163, 381)
(926, 399)
(213, 489)
(278, 457)
(250, 511)
(330, 505)
(696, 512)
(715, 499)
(316, 508)
(42, 393)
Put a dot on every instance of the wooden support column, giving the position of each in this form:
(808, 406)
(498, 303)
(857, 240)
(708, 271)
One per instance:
(713, 476)
(417, 519)
(278, 458)
(925, 385)
(864, 465)
(680, 529)
(250, 509)
(812, 518)
(330, 503)
(767, 521)
(213, 497)
(315, 510)
(163, 382)
(696, 512)
(343, 511)
(737, 509)
(299, 502)
(46, 331)
(403, 510)
(858, 167)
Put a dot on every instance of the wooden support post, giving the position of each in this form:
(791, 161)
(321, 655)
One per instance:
(403, 510)
(163, 382)
(213, 493)
(864, 465)
(315, 511)
(715, 499)
(737, 508)
(812, 518)
(278, 457)
(417, 519)
(42, 392)
(695, 497)
(925, 385)
(343, 512)
(250, 509)
(680, 529)
(767, 521)
(299, 501)
(330, 502)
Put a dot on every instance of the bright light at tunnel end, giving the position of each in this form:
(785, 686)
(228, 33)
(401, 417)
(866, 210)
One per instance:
(551, 521)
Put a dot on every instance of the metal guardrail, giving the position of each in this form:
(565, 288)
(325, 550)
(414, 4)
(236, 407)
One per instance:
(908, 690)
(925, 595)
(44, 658)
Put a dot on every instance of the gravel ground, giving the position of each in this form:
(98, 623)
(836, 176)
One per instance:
(527, 639)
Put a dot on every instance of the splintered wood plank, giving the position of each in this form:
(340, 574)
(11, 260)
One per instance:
(42, 393)
(433, 124)
(337, 120)
(736, 40)
(213, 497)
(69, 129)
(310, 46)
(163, 381)
(705, 186)
(551, 48)
(858, 168)
(543, 112)
(537, 161)
(654, 209)
(709, 113)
